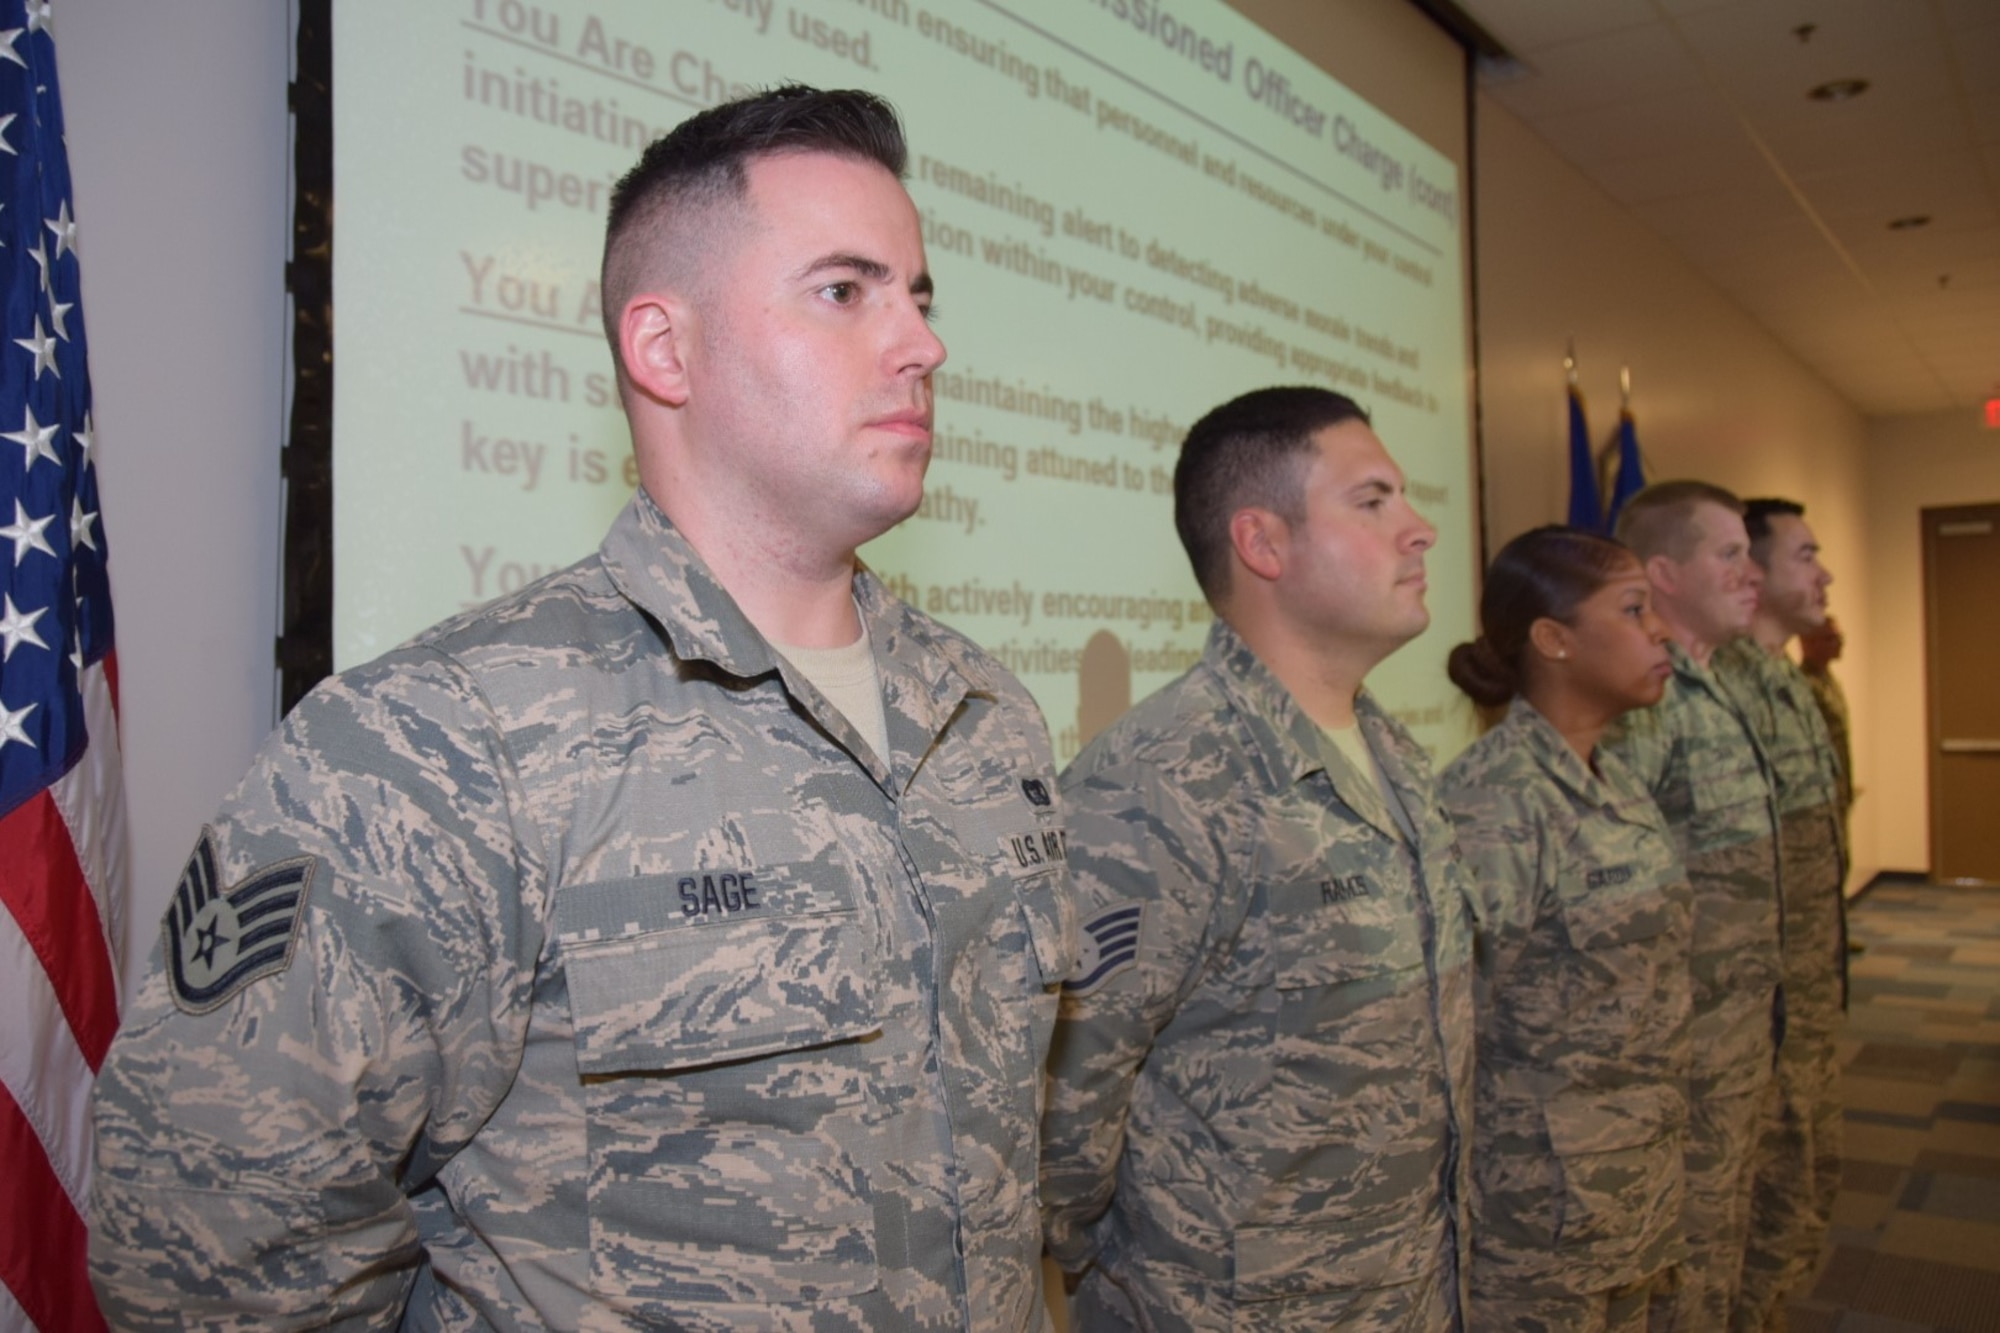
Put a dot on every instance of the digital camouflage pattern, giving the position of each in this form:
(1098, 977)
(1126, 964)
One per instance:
(632, 990)
(1696, 754)
(1264, 1120)
(1581, 1095)
(1832, 701)
(1798, 1166)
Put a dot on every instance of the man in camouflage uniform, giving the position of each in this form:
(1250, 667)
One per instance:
(1798, 1160)
(1583, 1051)
(1260, 1113)
(1695, 752)
(588, 962)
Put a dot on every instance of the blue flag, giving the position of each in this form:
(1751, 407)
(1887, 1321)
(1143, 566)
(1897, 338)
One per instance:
(1584, 510)
(1631, 473)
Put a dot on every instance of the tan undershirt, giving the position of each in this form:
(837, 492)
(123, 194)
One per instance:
(848, 679)
(1351, 743)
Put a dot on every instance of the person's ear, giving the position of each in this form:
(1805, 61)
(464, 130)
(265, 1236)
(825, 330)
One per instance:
(1664, 574)
(1261, 541)
(653, 344)
(1551, 639)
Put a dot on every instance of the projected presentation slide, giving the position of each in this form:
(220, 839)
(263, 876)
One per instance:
(1133, 211)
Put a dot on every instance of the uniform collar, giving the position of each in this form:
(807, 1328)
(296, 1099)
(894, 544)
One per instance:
(1289, 742)
(653, 565)
(1526, 729)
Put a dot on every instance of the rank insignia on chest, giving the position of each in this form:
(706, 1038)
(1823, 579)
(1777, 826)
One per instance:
(220, 939)
(1036, 790)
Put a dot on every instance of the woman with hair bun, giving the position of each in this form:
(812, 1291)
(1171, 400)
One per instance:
(1582, 995)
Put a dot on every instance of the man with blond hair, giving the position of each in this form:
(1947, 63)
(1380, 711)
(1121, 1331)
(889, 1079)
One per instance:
(1696, 752)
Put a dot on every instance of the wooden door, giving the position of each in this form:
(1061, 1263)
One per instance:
(1962, 649)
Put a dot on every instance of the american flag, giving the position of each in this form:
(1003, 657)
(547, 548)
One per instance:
(62, 819)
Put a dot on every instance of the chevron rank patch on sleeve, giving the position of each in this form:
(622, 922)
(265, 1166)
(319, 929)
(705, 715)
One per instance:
(1110, 945)
(219, 940)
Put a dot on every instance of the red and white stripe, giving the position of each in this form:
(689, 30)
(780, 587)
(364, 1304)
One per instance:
(63, 878)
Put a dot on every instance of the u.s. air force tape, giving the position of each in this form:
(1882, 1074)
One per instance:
(219, 940)
(1110, 945)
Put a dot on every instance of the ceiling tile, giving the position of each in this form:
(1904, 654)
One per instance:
(1807, 145)
(1693, 115)
(1640, 127)
(1524, 26)
(1704, 171)
(1625, 66)
(1755, 204)
(1749, 47)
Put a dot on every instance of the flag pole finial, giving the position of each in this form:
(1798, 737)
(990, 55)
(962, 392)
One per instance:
(1569, 360)
(1624, 386)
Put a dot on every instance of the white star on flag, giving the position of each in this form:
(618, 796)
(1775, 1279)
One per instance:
(43, 347)
(34, 437)
(26, 534)
(64, 228)
(79, 525)
(7, 51)
(58, 317)
(17, 629)
(10, 725)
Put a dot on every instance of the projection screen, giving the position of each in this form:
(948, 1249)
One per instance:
(1133, 209)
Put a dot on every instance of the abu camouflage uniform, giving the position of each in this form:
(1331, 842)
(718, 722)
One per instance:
(1261, 1101)
(1695, 753)
(628, 989)
(1582, 1004)
(1798, 1166)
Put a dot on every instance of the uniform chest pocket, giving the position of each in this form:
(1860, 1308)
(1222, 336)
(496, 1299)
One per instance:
(676, 971)
(737, 1183)
(1340, 927)
(1609, 906)
(1733, 791)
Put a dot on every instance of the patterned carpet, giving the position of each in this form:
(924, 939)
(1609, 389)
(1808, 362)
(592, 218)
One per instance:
(1916, 1234)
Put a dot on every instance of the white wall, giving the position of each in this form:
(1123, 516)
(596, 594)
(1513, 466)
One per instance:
(178, 142)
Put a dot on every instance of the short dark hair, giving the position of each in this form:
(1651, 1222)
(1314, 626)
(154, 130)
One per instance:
(1655, 521)
(1251, 451)
(1542, 574)
(703, 162)
(1757, 516)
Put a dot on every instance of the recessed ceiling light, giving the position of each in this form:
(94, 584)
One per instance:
(1839, 90)
(1910, 223)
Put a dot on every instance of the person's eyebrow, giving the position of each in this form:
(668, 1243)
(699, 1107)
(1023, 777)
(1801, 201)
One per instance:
(872, 269)
(1373, 486)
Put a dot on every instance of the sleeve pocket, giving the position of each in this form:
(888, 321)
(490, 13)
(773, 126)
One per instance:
(1049, 911)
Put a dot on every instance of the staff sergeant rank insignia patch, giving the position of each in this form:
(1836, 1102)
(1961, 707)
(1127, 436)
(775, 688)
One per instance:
(219, 940)
(1110, 945)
